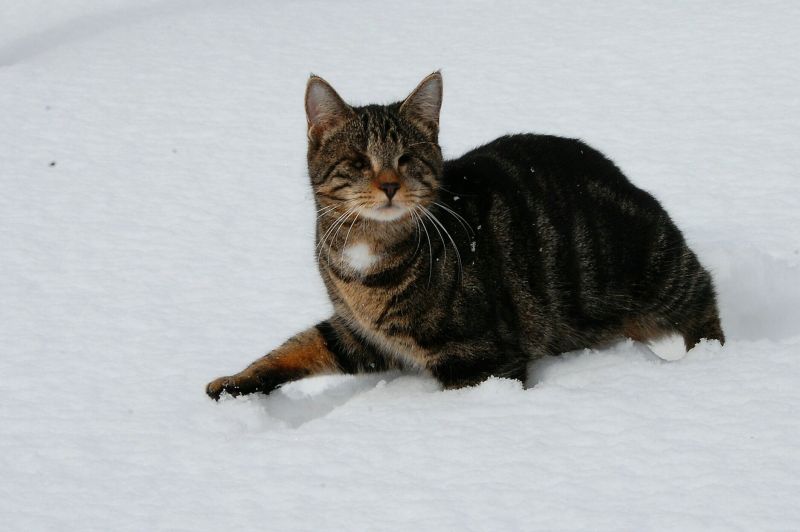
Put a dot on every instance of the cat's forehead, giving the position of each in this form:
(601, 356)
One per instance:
(382, 127)
(378, 131)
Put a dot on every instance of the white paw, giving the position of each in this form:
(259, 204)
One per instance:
(670, 347)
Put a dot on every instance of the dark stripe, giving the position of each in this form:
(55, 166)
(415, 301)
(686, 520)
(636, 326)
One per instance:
(394, 275)
(338, 188)
(389, 277)
(365, 121)
(335, 346)
(330, 169)
(330, 196)
(427, 163)
(344, 276)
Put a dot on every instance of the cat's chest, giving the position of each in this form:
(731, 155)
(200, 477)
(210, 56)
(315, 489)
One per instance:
(359, 257)
(365, 305)
(369, 310)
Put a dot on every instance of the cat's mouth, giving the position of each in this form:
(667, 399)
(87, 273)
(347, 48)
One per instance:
(385, 212)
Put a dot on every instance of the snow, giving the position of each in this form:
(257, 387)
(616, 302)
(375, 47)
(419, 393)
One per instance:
(156, 231)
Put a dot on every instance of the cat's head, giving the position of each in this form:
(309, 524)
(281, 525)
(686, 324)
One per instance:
(379, 162)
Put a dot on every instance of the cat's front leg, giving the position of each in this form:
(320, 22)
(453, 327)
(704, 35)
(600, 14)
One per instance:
(329, 347)
(304, 354)
(471, 363)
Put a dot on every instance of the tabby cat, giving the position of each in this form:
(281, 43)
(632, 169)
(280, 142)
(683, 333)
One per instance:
(528, 246)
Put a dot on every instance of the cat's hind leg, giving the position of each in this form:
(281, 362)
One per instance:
(705, 325)
(672, 331)
(696, 315)
(658, 335)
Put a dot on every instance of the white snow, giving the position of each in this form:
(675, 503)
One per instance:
(156, 231)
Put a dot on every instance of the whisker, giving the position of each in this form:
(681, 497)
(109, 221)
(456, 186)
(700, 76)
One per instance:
(321, 244)
(328, 230)
(464, 223)
(427, 213)
(456, 193)
(453, 242)
(327, 210)
(354, 210)
(430, 247)
(344, 246)
(415, 219)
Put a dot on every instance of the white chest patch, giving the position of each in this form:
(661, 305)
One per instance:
(359, 256)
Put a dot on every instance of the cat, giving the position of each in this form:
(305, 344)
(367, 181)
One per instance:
(530, 245)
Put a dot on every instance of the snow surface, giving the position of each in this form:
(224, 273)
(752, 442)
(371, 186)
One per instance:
(156, 231)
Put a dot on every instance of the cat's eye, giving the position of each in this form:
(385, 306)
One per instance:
(404, 159)
(358, 164)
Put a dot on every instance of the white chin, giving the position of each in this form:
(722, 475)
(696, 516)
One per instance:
(384, 214)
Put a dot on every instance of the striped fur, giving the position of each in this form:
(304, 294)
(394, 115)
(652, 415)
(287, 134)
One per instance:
(528, 246)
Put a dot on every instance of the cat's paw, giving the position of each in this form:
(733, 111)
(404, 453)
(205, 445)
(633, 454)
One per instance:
(243, 383)
(230, 385)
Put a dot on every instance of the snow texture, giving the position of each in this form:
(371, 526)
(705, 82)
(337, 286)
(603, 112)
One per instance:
(156, 231)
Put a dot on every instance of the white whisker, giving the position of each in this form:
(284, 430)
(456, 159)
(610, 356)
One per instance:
(463, 221)
(427, 213)
(453, 242)
(353, 210)
(344, 246)
(430, 248)
(322, 241)
(415, 219)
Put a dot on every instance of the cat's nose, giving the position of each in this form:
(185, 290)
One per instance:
(390, 189)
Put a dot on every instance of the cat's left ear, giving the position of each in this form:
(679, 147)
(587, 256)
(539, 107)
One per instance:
(424, 103)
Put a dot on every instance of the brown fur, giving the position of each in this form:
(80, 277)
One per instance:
(643, 329)
(303, 354)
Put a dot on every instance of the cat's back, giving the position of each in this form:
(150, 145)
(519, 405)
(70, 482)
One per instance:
(535, 160)
(554, 173)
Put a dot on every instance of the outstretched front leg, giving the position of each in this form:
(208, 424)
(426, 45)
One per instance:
(328, 347)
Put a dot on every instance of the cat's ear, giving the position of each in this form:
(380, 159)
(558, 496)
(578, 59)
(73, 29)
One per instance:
(325, 109)
(423, 104)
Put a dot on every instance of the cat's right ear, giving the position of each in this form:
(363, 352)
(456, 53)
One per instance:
(324, 108)
(422, 106)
